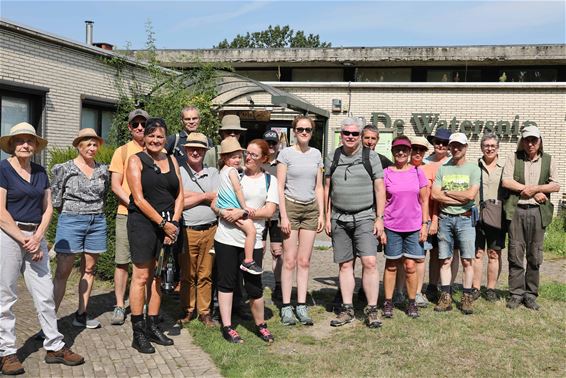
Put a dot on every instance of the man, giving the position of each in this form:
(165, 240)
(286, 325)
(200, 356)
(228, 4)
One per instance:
(190, 119)
(230, 127)
(455, 188)
(120, 187)
(530, 175)
(200, 184)
(353, 220)
(370, 139)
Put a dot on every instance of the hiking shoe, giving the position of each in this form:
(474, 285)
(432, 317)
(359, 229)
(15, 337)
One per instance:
(207, 320)
(345, 316)
(287, 316)
(83, 321)
(372, 317)
(530, 301)
(185, 317)
(251, 268)
(276, 294)
(387, 309)
(118, 316)
(421, 301)
(11, 365)
(231, 335)
(467, 304)
(476, 294)
(398, 298)
(303, 315)
(412, 310)
(64, 356)
(491, 295)
(264, 333)
(514, 302)
(444, 303)
(432, 293)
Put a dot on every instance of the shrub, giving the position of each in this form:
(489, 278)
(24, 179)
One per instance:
(555, 236)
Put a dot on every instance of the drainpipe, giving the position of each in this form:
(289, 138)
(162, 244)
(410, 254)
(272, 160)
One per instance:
(89, 26)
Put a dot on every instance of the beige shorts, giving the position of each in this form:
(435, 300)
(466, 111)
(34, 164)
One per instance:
(302, 216)
(122, 255)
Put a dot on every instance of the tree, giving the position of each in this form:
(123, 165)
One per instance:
(274, 37)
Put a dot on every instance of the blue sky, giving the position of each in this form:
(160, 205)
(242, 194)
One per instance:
(199, 24)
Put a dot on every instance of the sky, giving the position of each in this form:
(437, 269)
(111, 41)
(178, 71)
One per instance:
(202, 24)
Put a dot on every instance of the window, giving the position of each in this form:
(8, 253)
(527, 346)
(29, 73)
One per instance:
(453, 75)
(383, 74)
(97, 115)
(528, 75)
(318, 74)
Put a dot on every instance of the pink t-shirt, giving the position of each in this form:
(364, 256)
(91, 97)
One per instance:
(403, 212)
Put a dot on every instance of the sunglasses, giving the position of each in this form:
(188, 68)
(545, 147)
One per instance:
(301, 130)
(441, 142)
(135, 125)
(352, 133)
(420, 150)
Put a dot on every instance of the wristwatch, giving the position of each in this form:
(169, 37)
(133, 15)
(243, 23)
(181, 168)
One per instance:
(246, 214)
(162, 223)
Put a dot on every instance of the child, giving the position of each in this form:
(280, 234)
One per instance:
(230, 196)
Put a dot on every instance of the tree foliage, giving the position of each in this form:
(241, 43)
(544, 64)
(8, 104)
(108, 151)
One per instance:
(274, 37)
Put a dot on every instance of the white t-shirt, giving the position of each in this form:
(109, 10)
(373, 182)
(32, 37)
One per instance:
(256, 196)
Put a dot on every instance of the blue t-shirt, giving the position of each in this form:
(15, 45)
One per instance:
(24, 200)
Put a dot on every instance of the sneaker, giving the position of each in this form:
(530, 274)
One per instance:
(64, 356)
(345, 316)
(276, 294)
(476, 294)
(118, 316)
(231, 335)
(387, 309)
(11, 365)
(514, 302)
(432, 293)
(287, 316)
(530, 301)
(83, 321)
(412, 310)
(372, 317)
(264, 333)
(421, 301)
(398, 298)
(444, 303)
(251, 268)
(303, 315)
(491, 295)
(467, 304)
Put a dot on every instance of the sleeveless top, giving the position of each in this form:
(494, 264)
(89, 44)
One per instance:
(159, 189)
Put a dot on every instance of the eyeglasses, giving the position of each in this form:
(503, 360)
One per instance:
(301, 130)
(252, 155)
(135, 125)
(352, 133)
(488, 146)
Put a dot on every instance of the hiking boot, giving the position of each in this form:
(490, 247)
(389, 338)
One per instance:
(264, 333)
(444, 303)
(476, 294)
(82, 320)
(207, 320)
(251, 268)
(467, 304)
(64, 356)
(276, 294)
(231, 335)
(387, 309)
(303, 315)
(345, 316)
(432, 293)
(372, 317)
(491, 295)
(421, 301)
(530, 301)
(287, 316)
(118, 316)
(398, 298)
(140, 341)
(154, 334)
(514, 302)
(412, 310)
(11, 365)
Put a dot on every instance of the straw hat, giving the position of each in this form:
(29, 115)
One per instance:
(22, 128)
(197, 140)
(87, 133)
(231, 122)
(230, 144)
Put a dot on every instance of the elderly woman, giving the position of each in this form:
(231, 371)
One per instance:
(260, 192)
(156, 206)
(25, 213)
(78, 190)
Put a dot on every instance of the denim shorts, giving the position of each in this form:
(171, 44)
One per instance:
(453, 231)
(403, 244)
(78, 233)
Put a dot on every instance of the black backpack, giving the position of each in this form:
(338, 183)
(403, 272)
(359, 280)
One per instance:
(365, 161)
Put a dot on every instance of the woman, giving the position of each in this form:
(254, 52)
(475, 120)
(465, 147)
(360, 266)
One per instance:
(25, 213)
(406, 222)
(78, 190)
(301, 204)
(260, 192)
(156, 205)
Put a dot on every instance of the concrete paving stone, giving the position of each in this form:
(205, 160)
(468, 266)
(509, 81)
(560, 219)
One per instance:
(150, 363)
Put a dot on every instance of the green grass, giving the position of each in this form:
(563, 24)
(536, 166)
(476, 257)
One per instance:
(554, 291)
(555, 238)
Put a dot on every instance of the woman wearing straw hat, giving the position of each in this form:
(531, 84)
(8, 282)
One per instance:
(79, 190)
(25, 213)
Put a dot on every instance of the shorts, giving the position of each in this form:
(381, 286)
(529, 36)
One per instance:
(145, 237)
(227, 262)
(488, 237)
(78, 233)
(353, 238)
(403, 244)
(452, 229)
(301, 216)
(122, 246)
(275, 235)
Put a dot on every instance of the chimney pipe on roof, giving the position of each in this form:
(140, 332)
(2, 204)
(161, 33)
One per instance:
(89, 26)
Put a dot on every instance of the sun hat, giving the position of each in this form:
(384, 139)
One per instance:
(271, 136)
(441, 133)
(458, 138)
(87, 133)
(530, 131)
(231, 122)
(419, 141)
(230, 144)
(22, 128)
(197, 140)
(401, 142)
(137, 113)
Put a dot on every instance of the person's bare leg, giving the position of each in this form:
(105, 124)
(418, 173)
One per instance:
(493, 268)
(290, 251)
(247, 226)
(304, 252)
(88, 263)
(410, 267)
(468, 274)
(347, 281)
(257, 307)
(477, 263)
(65, 263)
(420, 274)
(445, 271)
(225, 306)
(389, 277)
(120, 284)
(138, 286)
(455, 266)
(370, 279)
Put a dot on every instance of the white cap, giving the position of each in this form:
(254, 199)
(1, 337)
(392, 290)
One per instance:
(531, 131)
(459, 138)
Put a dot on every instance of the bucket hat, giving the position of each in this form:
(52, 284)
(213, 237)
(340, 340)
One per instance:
(230, 144)
(231, 122)
(419, 141)
(441, 133)
(87, 133)
(22, 128)
(197, 140)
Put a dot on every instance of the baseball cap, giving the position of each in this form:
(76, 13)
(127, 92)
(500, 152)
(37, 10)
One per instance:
(137, 113)
(531, 131)
(271, 136)
(458, 138)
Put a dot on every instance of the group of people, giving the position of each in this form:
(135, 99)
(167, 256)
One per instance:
(215, 206)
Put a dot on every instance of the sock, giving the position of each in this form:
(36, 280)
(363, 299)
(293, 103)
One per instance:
(286, 304)
(301, 304)
(136, 318)
(468, 291)
(445, 288)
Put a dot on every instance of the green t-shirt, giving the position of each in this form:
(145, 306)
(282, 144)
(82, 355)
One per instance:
(457, 178)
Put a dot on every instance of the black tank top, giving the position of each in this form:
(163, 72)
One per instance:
(159, 189)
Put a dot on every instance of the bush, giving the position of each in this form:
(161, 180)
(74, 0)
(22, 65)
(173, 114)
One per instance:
(555, 236)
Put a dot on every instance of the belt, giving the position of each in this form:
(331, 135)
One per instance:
(465, 214)
(300, 202)
(202, 227)
(27, 226)
(526, 206)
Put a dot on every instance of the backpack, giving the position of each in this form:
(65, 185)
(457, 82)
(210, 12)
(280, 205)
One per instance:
(365, 161)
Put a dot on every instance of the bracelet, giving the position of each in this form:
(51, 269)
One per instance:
(427, 223)
(379, 217)
(162, 223)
